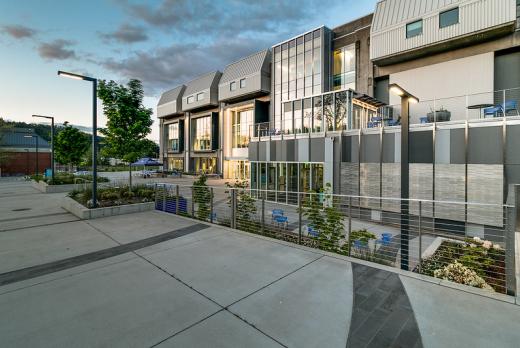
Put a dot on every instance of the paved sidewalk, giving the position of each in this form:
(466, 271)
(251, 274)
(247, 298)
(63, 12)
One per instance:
(155, 279)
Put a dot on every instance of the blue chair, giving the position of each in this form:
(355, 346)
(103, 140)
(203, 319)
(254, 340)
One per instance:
(282, 220)
(213, 217)
(312, 232)
(502, 109)
(386, 239)
(392, 123)
(360, 245)
(275, 213)
(423, 119)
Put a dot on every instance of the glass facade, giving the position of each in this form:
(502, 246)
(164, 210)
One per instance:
(201, 133)
(414, 29)
(173, 137)
(206, 165)
(241, 124)
(283, 180)
(449, 17)
(296, 72)
(238, 170)
(344, 68)
(175, 163)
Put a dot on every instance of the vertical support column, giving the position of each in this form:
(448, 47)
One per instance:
(420, 236)
(177, 199)
(233, 208)
(405, 194)
(192, 202)
(164, 198)
(349, 231)
(211, 206)
(263, 216)
(299, 218)
(512, 234)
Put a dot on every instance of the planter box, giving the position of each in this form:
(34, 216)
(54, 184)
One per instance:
(170, 205)
(85, 214)
(46, 188)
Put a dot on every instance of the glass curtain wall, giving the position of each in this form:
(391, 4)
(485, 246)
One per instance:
(206, 165)
(328, 111)
(296, 71)
(287, 118)
(282, 183)
(241, 122)
(175, 163)
(298, 121)
(271, 181)
(341, 110)
(317, 123)
(307, 115)
(173, 137)
(201, 133)
(344, 69)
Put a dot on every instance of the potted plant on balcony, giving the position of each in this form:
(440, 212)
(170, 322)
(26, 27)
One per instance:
(441, 115)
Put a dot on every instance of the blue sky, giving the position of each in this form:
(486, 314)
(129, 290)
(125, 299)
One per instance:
(163, 43)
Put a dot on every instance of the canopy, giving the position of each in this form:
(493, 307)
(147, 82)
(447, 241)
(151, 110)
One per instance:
(146, 161)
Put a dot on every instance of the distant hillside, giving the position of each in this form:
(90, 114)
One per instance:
(43, 129)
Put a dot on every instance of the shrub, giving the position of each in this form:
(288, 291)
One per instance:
(457, 272)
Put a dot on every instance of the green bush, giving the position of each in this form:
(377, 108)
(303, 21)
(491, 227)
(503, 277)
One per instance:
(111, 196)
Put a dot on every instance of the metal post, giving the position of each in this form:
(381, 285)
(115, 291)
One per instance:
(405, 173)
(512, 230)
(94, 143)
(192, 202)
(263, 215)
(37, 160)
(233, 208)
(164, 197)
(211, 205)
(177, 199)
(52, 149)
(420, 235)
(349, 222)
(299, 218)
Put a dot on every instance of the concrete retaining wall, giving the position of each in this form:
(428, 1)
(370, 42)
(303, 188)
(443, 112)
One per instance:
(85, 214)
(45, 188)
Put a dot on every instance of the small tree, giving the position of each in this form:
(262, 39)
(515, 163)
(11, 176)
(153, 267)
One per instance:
(129, 122)
(70, 146)
(202, 196)
(245, 206)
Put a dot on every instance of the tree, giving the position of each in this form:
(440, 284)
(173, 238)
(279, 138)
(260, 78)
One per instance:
(151, 149)
(202, 196)
(70, 146)
(129, 122)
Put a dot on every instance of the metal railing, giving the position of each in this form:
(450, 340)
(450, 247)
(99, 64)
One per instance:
(408, 238)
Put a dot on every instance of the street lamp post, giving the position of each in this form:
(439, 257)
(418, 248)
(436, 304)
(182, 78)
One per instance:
(406, 99)
(37, 162)
(52, 142)
(94, 128)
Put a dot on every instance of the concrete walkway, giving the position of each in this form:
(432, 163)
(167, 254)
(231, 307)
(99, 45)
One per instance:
(155, 279)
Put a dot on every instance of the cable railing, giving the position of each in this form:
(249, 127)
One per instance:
(406, 238)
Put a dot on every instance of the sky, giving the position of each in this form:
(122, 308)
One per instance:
(163, 43)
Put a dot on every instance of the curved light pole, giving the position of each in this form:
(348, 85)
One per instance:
(94, 128)
(37, 162)
(52, 142)
(406, 99)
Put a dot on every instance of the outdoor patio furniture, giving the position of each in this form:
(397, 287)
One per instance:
(510, 106)
(385, 239)
(282, 221)
(275, 213)
(423, 119)
(312, 232)
(441, 115)
(213, 217)
(360, 245)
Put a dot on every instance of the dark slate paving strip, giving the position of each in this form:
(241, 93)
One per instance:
(75, 261)
(381, 315)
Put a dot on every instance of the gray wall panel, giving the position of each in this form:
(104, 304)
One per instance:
(485, 145)
(289, 150)
(513, 144)
(317, 149)
(370, 183)
(421, 147)
(389, 148)
(442, 146)
(449, 186)
(370, 148)
(262, 151)
(485, 185)
(457, 152)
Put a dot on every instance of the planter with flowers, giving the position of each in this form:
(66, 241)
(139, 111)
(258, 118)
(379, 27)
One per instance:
(475, 262)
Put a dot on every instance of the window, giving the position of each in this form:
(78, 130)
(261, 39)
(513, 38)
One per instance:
(206, 165)
(449, 17)
(414, 29)
(173, 137)
(175, 163)
(233, 86)
(201, 133)
(241, 122)
(200, 96)
(242, 83)
(345, 68)
(287, 118)
(190, 99)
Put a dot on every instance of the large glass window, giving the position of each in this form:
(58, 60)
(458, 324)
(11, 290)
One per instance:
(201, 133)
(282, 182)
(344, 69)
(190, 99)
(317, 177)
(328, 111)
(298, 122)
(305, 177)
(200, 96)
(173, 137)
(175, 163)
(449, 17)
(341, 110)
(242, 83)
(287, 118)
(292, 183)
(307, 115)
(254, 178)
(238, 170)
(317, 122)
(233, 86)
(206, 165)
(271, 181)
(241, 123)
(414, 29)
(263, 178)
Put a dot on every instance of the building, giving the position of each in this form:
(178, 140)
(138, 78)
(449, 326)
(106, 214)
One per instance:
(172, 130)
(243, 93)
(18, 154)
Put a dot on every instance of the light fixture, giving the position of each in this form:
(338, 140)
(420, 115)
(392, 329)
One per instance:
(396, 90)
(75, 76)
(401, 92)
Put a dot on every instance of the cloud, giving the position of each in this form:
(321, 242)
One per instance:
(57, 50)
(170, 66)
(19, 31)
(127, 33)
(202, 16)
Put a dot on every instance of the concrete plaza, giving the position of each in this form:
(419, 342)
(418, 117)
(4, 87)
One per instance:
(156, 279)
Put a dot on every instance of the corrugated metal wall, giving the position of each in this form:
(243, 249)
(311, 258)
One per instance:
(388, 34)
